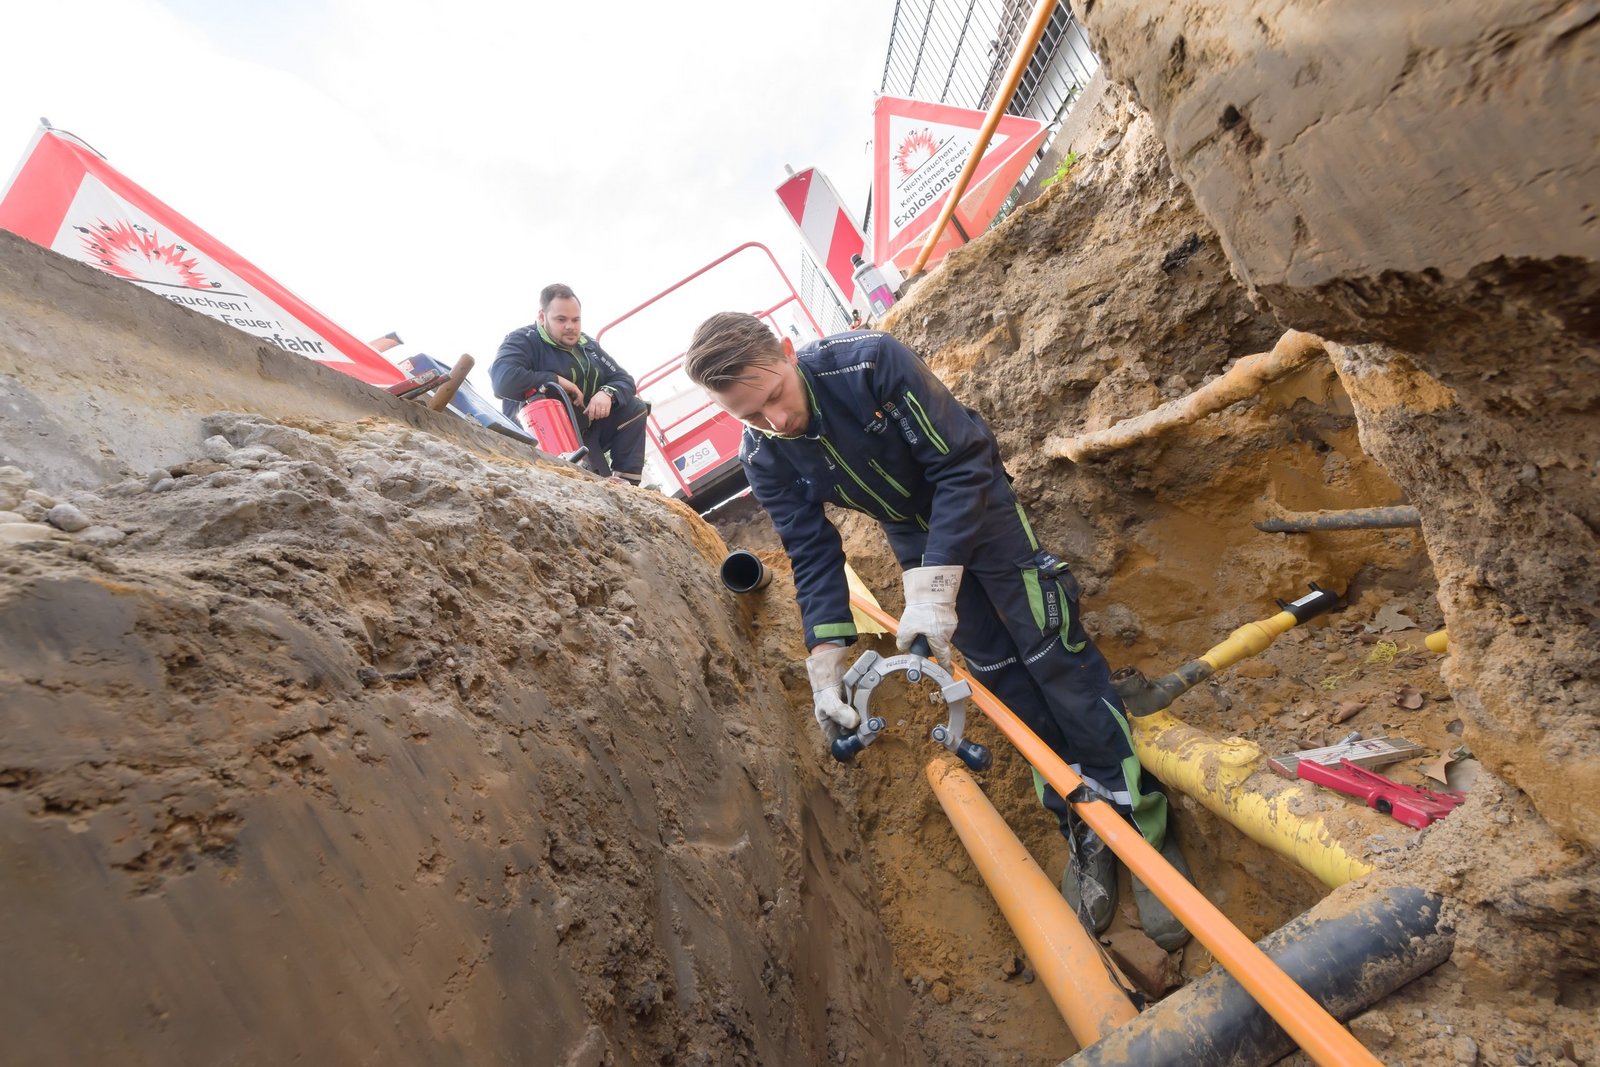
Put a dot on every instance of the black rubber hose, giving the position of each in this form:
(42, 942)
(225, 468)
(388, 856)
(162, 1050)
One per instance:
(1347, 956)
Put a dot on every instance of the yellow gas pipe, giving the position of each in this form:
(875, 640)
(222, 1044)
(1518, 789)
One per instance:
(1249, 639)
(1223, 775)
(1218, 774)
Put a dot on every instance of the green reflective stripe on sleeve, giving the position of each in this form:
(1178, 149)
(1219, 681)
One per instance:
(848, 501)
(885, 475)
(1149, 809)
(926, 423)
(1030, 581)
(1033, 542)
(922, 522)
(835, 629)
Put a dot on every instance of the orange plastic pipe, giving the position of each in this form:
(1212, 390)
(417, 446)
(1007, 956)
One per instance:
(1311, 1027)
(1002, 100)
(1057, 945)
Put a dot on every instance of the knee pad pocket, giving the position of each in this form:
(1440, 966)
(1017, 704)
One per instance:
(1053, 594)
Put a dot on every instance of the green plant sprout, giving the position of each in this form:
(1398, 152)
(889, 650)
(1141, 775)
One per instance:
(1067, 163)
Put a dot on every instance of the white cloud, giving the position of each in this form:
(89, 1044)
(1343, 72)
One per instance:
(428, 167)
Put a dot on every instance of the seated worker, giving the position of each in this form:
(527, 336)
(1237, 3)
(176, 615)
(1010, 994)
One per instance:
(554, 351)
(859, 421)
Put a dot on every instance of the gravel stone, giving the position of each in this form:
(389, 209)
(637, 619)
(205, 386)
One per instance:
(67, 517)
(102, 536)
(217, 447)
(21, 533)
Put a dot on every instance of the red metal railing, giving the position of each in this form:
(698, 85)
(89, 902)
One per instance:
(658, 432)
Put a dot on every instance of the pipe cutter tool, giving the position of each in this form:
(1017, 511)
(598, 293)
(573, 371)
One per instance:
(871, 669)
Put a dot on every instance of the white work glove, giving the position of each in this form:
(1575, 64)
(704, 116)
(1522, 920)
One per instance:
(930, 609)
(825, 666)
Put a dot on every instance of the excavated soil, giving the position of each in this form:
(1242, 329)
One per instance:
(340, 741)
(340, 744)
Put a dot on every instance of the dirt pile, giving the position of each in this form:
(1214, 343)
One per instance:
(343, 743)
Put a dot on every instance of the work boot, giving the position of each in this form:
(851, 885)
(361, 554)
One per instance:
(1160, 925)
(1092, 894)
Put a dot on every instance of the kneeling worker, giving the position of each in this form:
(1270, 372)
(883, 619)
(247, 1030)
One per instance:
(555, 351)
(859, 421)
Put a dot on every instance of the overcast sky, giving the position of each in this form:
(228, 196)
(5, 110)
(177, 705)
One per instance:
(427, 167)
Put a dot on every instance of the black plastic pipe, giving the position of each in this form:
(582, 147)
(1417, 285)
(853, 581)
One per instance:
(1355, 519)
(743, 572)
(1346, 955)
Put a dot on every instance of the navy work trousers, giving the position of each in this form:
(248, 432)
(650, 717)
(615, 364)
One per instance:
(620, 433)
(1020, 632)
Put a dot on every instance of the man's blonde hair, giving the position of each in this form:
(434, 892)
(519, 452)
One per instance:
(726, 346)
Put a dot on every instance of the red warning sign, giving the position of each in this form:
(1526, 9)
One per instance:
(66, 197)
(920, 149)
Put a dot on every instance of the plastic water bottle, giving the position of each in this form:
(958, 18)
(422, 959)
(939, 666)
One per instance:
(874, 284)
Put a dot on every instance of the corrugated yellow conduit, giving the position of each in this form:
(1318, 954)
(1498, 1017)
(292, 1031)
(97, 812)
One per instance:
(1229, 776)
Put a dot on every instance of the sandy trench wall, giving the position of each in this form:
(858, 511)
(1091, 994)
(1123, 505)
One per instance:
(362, 743)
(1417, 181)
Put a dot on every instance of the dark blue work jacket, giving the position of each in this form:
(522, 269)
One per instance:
(529, 359)
(886, 439)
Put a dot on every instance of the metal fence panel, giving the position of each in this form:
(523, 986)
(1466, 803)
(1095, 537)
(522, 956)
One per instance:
(820, 297)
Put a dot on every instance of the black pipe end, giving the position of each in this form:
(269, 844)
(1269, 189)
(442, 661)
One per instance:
(1346, 958)
(844, 749)
(743, 572)
(1314, 603)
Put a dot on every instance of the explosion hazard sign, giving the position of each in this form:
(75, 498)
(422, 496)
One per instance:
(920, 150)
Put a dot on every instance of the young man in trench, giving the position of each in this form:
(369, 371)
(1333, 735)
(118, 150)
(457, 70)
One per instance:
(859, 421)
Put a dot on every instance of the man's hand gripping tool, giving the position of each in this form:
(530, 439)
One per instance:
(871, 669)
